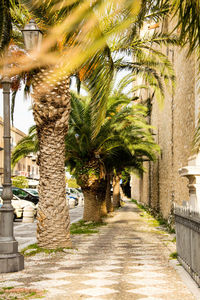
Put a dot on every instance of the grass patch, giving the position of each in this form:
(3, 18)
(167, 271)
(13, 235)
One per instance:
(31, 294)
(138, 204)
(83, 227)
(34, 249)
(174, 255)
(122, 203)
(157, 218)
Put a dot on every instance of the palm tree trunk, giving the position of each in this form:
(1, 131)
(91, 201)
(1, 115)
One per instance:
(51, 110)
(102, 198)
(109, 203)
(92, 206)
(103, 207)
(53, 214)
(116, 191)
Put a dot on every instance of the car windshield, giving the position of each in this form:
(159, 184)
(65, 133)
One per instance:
(20, 193)
(32, 191)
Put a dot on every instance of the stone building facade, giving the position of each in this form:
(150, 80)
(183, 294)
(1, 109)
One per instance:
(174, 124)
(25, 167)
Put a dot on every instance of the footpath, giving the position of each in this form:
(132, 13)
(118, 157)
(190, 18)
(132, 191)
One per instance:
(128, 259)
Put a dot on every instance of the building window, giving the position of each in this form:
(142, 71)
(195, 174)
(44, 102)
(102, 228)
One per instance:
(33, 170)
(29, 169)
(19, 167)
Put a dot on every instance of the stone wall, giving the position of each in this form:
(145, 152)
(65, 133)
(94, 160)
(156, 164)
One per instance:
(174, 123)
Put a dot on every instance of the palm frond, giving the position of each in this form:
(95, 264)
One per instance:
(5, 25)
(13, 97)
(187, 12)
(27, 145)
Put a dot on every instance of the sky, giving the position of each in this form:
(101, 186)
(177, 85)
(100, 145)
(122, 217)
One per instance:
(23, 117)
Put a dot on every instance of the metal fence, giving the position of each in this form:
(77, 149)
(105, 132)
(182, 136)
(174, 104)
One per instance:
(188, 240)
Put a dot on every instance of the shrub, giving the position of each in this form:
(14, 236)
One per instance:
(20, 182)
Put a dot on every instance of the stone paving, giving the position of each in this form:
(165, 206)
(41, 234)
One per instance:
(127, 259)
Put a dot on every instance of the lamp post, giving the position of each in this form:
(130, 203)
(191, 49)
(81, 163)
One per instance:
(10, 259)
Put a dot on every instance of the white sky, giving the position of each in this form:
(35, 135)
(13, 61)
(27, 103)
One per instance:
(23, 117)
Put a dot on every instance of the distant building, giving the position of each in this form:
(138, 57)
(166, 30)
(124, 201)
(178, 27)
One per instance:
(25, 167)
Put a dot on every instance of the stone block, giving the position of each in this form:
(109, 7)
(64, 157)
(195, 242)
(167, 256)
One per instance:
(11, 263)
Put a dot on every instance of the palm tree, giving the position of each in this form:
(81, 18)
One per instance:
(124, 138)
(51, 112)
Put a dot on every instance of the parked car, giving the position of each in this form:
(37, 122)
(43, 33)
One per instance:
(19, 205)
(25, 195)
(72, 195)
(80, 194)
(71, 202)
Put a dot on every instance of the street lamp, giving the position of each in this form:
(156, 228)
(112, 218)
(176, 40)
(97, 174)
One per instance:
(10, 259)
(32, 36)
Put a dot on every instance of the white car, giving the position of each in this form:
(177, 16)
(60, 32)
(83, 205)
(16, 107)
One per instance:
(71, 202)
(72, 196)
(18, 205)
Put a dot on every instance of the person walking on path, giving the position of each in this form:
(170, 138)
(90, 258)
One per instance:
(127, 259)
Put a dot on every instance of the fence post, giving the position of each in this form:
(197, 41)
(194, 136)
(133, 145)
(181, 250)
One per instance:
(192, 172)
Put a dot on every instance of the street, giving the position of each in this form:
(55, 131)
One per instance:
(25, 233)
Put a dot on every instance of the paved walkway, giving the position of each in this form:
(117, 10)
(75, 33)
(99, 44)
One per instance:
(127, 259)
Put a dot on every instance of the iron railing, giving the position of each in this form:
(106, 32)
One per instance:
(188, 240)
